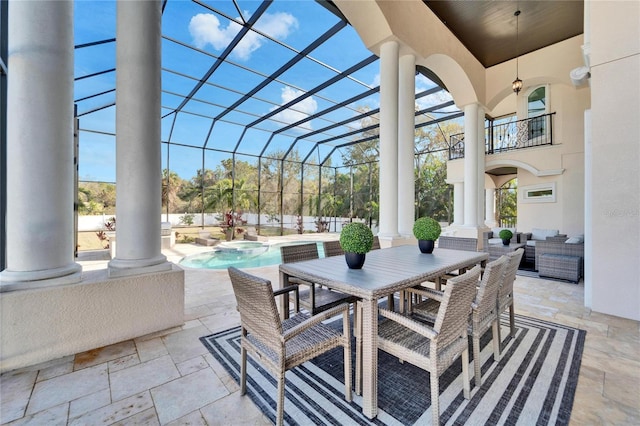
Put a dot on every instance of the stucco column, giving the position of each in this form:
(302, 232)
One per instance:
(406, 144)
(471, 165)
(490, 207)
(389, 140)
(40, 151)
(458, 203)
(481, 165)
(138, 163)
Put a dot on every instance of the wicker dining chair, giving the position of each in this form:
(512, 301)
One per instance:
(505, 293)
(332, 248)
(282, 345)
(316, 298)
(434, 348)
(484, 313)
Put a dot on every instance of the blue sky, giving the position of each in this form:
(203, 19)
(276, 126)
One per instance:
(194, 37)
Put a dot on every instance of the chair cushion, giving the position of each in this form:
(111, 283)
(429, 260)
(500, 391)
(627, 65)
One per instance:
(531, 243)
(495, 240)
(542, 234)
(575, 240)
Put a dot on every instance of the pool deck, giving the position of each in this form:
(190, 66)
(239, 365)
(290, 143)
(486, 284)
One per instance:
(169, 378)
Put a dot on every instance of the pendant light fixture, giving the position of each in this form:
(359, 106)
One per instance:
(517, 83)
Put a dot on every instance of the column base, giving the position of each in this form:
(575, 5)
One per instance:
(396, 240)
(465, 231)
(124, 267)
(23, 280)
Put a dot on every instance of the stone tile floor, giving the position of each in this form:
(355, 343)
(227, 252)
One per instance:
(169, 378)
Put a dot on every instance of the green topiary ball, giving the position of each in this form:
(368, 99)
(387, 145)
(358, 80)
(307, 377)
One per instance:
(505, 234)
(356, 237)
(426, 228)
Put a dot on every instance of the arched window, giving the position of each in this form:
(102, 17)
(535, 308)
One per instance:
(537, 107)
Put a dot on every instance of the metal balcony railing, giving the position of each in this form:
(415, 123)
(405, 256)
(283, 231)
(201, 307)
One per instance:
(530, 132)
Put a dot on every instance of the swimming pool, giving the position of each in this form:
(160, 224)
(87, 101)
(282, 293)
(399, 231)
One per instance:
(241, 254)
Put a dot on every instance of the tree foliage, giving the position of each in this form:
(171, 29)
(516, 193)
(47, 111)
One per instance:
(275, 186)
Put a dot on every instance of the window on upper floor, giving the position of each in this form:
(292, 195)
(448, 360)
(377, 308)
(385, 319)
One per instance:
(537, 107)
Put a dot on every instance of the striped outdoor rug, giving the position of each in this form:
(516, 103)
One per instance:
(534, 383)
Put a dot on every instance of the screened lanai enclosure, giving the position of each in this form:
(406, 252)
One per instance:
(270, 113)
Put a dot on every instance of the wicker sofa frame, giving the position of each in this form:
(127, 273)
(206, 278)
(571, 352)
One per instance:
(557, 245)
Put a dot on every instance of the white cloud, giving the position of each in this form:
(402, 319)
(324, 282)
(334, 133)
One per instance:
(303, 109)
(205, 28)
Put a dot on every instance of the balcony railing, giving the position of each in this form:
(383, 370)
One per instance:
(527, 133)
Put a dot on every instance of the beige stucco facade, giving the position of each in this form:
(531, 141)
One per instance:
(593, 163)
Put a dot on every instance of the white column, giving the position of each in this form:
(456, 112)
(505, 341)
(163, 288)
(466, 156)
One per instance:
(481, 166)
(406, 145)
(40, 154)
(458, 203)
(471, 165)
(389, 139)
(138, 163)
(490, 207)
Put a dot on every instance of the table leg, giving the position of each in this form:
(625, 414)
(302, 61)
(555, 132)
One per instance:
(370, 358)
(284, 299)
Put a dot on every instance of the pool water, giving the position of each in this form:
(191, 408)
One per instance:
(241, 254)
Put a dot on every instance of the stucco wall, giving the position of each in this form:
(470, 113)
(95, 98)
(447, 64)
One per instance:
(48, 323)
(615, 176)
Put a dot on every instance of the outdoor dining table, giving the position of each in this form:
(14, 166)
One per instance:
(385, 272)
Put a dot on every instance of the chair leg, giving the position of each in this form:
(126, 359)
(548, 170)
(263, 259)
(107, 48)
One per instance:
(347, 356)
(435, 396)
(357, 321)
(243, 371)
(495, 327)
(466, 386)
(512, 320)
(280, 404)
(476, 360)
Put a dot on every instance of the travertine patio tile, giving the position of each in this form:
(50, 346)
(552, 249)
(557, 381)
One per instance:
(192, 365)
(104, 354)
(624, 334)
(221, 321)
(54, 416)
(623, 388)
(185, 345)
(192, 419)
(90, 402)
(68, 387)
(150, 349)
(124, 362)
(224, 376)
(147, 417)
(64, 366)
(182, 396)
(138, 378)
(115, 412)
(15, 390)
(234, 409)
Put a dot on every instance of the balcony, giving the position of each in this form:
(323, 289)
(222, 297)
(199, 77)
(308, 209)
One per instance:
(527, 133)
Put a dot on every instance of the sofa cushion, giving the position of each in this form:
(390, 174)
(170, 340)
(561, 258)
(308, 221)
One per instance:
(495, 240)
(542, 234)
(531, 243)
(575, 240)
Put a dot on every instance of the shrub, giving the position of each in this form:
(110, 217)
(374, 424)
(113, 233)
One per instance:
(505, 234)
(426, 228)
(356, 237)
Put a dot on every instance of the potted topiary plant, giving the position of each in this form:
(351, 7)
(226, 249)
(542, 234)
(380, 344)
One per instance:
(506, 236)
(356, 239)
(427, 231)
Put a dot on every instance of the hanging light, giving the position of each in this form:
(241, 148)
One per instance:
(517, 83)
